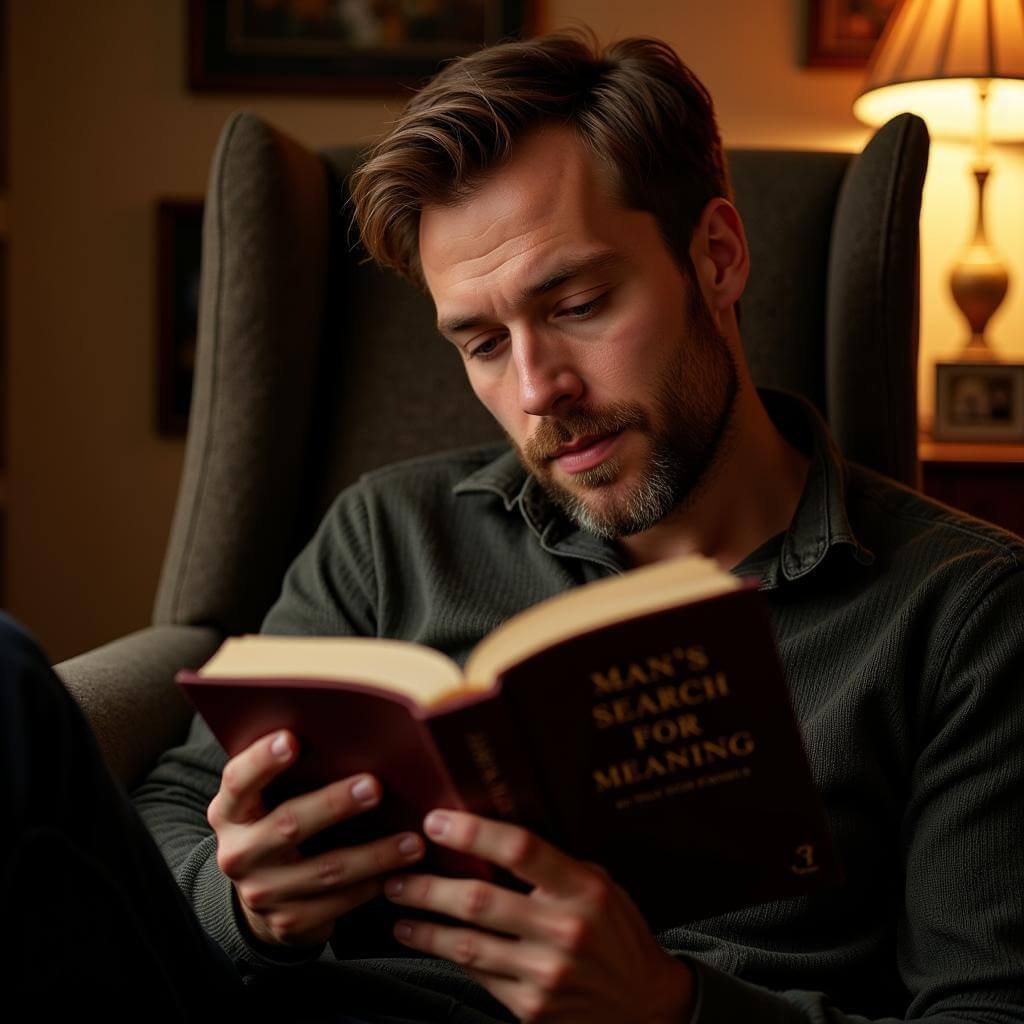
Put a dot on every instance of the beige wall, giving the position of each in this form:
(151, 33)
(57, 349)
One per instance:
(102, 125)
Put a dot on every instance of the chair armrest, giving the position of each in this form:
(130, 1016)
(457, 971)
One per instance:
(126, 689)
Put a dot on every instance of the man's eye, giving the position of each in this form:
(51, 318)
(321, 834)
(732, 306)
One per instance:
(485, 350)
(582, 311)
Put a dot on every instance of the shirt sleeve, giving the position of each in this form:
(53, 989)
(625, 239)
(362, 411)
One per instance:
(960, 933)
(328, 590)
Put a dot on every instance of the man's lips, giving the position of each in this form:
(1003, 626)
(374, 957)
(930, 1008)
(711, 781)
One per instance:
(585, 452)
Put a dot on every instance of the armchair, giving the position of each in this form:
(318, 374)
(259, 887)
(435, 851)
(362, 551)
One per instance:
(313, 367)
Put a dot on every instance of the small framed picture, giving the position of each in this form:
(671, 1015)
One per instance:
(842, 33)
(179, 252)
(339, 46)
(979, 402)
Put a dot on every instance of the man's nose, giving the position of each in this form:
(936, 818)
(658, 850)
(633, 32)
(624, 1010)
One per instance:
(549, 381)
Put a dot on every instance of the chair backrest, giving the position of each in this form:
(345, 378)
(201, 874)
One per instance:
(314, 366)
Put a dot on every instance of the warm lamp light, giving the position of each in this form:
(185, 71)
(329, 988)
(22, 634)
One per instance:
(959, 64)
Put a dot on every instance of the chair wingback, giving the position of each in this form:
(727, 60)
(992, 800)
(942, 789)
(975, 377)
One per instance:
(261, 313)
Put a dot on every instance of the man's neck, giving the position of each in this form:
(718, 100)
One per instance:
(748, 495)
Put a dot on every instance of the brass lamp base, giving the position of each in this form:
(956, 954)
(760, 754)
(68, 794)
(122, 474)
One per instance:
(980, 280)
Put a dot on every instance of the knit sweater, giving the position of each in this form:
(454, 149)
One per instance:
(900, 624)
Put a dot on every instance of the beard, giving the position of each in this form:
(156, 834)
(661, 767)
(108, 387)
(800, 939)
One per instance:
(686, 428)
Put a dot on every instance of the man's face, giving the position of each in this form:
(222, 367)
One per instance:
(581, 335)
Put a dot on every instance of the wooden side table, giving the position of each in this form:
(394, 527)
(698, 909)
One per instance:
(986, 480)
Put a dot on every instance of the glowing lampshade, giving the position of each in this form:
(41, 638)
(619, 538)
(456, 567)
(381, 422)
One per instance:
(930, 60)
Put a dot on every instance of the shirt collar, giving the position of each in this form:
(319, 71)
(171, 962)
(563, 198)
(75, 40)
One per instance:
(820, 524)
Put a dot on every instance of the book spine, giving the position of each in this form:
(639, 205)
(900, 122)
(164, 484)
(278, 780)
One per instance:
(489, 762)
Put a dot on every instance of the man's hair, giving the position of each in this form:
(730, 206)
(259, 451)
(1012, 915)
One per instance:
(634, 104)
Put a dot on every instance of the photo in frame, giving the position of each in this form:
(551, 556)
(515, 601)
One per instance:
(979, 402)
(842, 33)
(327, 46)
(179, 252)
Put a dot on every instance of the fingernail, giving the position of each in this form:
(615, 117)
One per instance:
(437, 823)
(364, 791)
(279, 748)
(403, 931)
(393, 887)
(408, 845)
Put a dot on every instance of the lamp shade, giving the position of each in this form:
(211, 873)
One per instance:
(933, 54)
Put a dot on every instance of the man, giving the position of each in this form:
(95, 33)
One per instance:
(568, 211)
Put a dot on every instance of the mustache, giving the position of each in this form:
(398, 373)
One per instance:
(553, 434)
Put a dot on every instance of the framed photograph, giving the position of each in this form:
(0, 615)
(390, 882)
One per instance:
(979, 402)
(179, 250)
(842, 33)
(339, 46)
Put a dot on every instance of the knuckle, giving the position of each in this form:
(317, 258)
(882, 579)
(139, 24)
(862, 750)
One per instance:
(382, 857)
(231, 780)
(213, 816)
(521, 847)
(283, 924)
(338, 801)
(466, 950)
(476, 901)
(285, 823)
(552, 972)
(599, 894)
(331, 870)
(571, 934)
(254, 896)
(229, 860)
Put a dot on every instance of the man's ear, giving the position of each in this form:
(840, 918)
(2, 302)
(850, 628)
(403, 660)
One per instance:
(720, 256)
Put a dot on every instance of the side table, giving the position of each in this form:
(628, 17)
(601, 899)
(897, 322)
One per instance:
(986, 480)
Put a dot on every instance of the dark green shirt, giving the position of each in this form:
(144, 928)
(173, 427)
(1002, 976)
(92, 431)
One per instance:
(900, 623)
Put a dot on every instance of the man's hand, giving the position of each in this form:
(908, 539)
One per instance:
(576, 948)
(289, 899)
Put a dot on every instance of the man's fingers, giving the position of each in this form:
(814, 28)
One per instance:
(315, 877)
(302, 817)
(247, 774)
(472, 949)
(517, 849)
(476, 902)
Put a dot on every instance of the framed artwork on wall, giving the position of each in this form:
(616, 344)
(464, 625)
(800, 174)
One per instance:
(979, 402)
(179, 251)
(339, 46)
(842, 33)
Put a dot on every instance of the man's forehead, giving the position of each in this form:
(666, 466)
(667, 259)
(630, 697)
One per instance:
(562, 267)
(549, 203)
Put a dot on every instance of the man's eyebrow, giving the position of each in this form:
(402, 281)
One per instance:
(572, 268)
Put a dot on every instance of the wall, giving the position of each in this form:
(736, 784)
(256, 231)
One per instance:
(102, 125)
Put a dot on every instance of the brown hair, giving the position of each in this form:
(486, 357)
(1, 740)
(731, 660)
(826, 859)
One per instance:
(634, 104)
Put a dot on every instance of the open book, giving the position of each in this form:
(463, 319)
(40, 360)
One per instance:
(641, 721)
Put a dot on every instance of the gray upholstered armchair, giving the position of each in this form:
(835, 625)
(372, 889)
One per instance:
(314, 366)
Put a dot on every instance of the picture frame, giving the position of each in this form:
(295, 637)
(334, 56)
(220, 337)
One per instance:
(317, 46)
(179, 254)
(842, 33)
(979, 402)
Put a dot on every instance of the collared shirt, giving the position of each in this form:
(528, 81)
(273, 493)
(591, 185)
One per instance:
(900, 625)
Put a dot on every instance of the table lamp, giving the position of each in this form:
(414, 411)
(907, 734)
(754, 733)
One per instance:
(959, 64)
